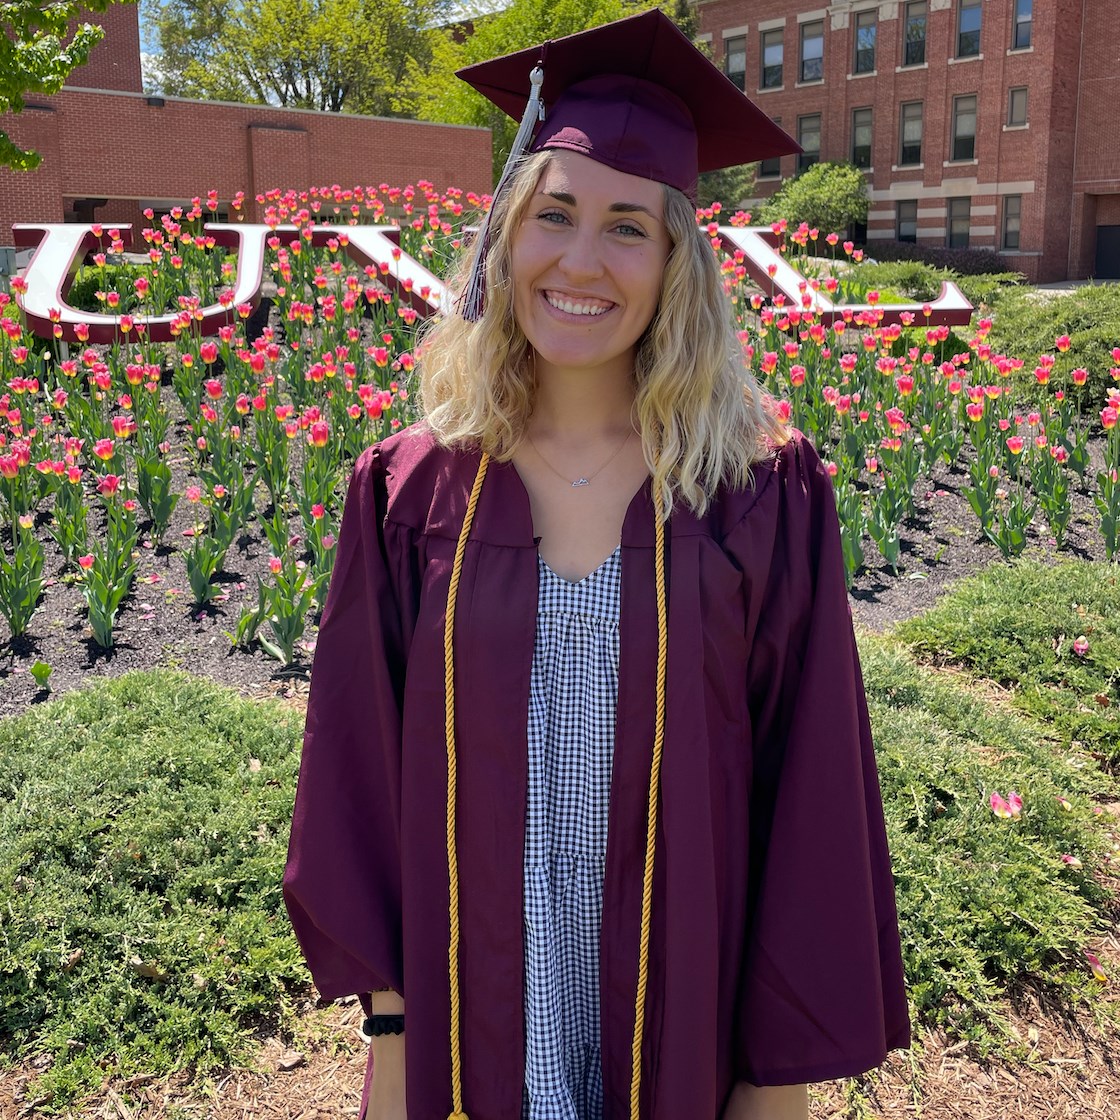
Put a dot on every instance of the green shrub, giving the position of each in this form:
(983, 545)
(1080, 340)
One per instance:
(1025, 324)
(986, 906)
(831, 197)
(963, 262)
(118, 278)
(143, 829)
(922, 281)
(1016, 624)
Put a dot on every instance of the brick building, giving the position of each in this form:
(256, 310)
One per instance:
(109, 151)
(981, 123)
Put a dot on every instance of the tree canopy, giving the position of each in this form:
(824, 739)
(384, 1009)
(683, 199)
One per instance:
(38, 49)
(354, 56)
(831, 197)
(524, 23)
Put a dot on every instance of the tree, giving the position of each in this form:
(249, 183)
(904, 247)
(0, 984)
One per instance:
(729, 185)
(355, 56)
(831, 197)
(525, 23)
(37, 52)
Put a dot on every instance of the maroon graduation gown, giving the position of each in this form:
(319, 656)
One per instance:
(774, 952)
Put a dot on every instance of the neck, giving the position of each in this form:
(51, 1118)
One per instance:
(582, 404)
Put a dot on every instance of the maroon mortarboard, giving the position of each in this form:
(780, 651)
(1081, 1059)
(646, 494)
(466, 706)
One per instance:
(635, 95)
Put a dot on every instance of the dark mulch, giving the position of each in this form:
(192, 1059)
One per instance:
(158, 626)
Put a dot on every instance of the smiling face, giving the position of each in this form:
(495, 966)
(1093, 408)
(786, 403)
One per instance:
(587, 264)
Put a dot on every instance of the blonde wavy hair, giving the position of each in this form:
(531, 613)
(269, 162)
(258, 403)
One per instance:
(703, 418)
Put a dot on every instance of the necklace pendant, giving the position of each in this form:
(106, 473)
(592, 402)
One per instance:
(582, 482)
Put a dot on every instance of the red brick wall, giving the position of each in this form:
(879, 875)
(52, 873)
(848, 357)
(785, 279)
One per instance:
(1069, 144)
(115, 62)
(121, 147)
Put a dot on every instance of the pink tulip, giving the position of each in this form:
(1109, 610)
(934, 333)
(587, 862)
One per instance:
(1081, 645)
(1098, 972)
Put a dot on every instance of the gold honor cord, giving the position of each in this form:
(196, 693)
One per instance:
(651, 812)
(457, 1112)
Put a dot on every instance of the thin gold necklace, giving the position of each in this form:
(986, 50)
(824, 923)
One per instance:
(584, 479)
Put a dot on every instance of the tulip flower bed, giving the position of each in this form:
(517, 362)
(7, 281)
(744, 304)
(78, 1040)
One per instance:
(197, 485)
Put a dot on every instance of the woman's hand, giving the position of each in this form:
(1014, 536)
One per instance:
(386, 1090)
(772, 1102)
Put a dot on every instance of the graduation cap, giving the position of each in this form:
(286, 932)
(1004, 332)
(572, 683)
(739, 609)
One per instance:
(635, 95)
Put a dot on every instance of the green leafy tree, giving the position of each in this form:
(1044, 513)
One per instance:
(355, 56)
(831, 197)
(39, 48)
(525, 23)
(730, 185)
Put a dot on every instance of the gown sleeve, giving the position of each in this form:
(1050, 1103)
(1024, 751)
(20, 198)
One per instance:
(342, 883)
(822, 992)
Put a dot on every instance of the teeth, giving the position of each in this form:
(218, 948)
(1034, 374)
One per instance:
(575, 308)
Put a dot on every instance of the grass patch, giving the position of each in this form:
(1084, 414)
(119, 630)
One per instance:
(143, 828)
(1017, 624)
(986, 905)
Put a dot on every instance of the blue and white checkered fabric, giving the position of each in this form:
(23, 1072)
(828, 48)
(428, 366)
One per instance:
(572, 699)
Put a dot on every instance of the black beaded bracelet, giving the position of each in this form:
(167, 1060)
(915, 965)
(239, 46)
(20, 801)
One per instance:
(374, 1026)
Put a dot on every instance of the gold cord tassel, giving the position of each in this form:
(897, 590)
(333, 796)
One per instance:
(651, 810)
(457, 1112)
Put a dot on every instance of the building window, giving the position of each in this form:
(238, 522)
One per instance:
(1021, 28)
(914, 34)
(812, 51)
(964, 127)
(906, 228)
(866, 32)
(968, 29)
(771, 59)
(861, 138)
(809, 137)
(1012, 207)
(1017, 106)
(771, 168)
(735, 60)
(910, 149)
(959, 212)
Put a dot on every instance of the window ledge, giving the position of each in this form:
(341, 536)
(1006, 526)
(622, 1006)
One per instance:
(769, 178)
(1020, 50)
(864, 74)
(1016, 127)
(967, 58)
(908, 166)
(912, 66)
(771, 89)
(960, 163)
(804, 85)
(1019, 253)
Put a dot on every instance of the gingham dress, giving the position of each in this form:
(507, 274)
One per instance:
(572, 698)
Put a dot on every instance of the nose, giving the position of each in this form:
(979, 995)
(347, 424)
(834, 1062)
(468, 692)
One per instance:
(582, 258)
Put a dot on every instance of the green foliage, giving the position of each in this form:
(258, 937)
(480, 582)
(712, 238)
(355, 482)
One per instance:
(830, 197)
(143, 828)
(731, 186)
(118, 278)
(986, 906)
(524, 23)
(37, 53)
(1017, 625)
(355, 56)
(1025, 323)
(920, 281)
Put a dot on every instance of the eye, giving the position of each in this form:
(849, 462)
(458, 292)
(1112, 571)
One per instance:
(628, 229)
(553, 217)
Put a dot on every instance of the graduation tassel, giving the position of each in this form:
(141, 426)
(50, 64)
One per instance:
(471, 302)
(651, 809)
(457, 1112)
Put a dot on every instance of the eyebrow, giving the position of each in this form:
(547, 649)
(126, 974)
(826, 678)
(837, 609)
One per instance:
(614, 208)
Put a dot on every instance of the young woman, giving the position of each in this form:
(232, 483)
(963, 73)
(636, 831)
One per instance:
(588, 783)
